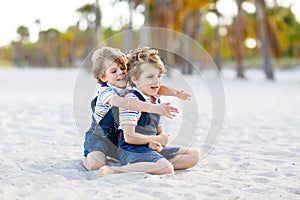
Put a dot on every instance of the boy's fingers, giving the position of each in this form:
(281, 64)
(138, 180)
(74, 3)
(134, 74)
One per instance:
(175, 110)
(170, 116)
(169, 110)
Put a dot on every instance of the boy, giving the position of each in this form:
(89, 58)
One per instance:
(110, 70)
(142, 139)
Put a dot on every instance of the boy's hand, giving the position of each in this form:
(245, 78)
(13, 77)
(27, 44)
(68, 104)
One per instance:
(183, 95)
(163, 139)
(156, 146)
(165, 109)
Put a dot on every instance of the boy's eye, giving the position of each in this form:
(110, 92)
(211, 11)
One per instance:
(113, 71)
(123, 68)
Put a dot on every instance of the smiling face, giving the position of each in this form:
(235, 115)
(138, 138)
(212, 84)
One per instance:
(115, 75)
(149, 80)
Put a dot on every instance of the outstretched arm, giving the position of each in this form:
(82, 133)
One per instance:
(168, 91)
(164, 109)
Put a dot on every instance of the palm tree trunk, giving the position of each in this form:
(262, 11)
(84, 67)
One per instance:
(239, 42)
(98, 35)
(145, 38)
(261, 15)
(129, 33)
(218, 56)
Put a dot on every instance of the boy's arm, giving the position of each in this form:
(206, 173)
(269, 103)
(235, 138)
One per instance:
(156, 146)
(168, 91)
(161, 131)
(133, 104)
(132, 137)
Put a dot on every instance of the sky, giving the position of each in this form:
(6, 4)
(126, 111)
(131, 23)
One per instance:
(51, 13)
(60, 14)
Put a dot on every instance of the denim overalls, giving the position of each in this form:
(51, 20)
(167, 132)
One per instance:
(147, 125)
(103, 136)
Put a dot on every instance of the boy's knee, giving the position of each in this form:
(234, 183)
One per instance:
(95, 160)
(94, 166)
(169, 169)
(166, 167)
(195, 153)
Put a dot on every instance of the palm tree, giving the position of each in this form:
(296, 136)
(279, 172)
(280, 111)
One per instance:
(40, 58)
(19, 50)
(98, 34)
(38, 24)
(53, 46)
(129, 34)
(23, 33)
(239, 31)
(183, 16)
(217, 57)
(264, 32)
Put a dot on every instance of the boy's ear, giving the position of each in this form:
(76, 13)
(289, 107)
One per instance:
(102, 78)
(134, 80)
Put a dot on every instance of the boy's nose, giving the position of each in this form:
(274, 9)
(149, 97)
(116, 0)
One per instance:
(121, 71)
(157, 79)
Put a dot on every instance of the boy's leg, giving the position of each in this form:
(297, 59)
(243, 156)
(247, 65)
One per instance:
(94, 160)
(149, 161)
(162, 166)
(96, 147)
(185, 158)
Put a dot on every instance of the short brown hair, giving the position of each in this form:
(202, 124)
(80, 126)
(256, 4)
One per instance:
(140, 56)
(106, 54)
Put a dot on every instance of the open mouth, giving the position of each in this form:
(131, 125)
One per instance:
(122, 79)
(154, 88)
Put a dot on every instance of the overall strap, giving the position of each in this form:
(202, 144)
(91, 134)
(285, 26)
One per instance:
(104, 84)
(93, 102)
(138, 95)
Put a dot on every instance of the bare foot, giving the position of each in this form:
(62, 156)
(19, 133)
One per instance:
(107, 170)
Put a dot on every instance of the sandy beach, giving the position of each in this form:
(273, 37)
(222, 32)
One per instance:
(257, 155)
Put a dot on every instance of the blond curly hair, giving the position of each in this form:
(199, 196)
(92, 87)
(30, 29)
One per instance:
(105, 55)
(144, 55)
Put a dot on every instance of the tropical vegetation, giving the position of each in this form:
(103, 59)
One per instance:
(266, 34)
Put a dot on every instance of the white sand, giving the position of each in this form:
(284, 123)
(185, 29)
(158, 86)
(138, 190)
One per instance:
(257, 156)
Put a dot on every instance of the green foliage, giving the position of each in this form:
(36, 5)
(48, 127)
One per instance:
(23, 33)
(88, 8)
(55, 48)
(257, 62)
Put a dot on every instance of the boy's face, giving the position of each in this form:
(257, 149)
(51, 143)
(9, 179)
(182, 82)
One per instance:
(149, 80)
(115, 75)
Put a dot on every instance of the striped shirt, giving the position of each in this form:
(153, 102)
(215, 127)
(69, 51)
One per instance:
(130, 117)
(105, 94)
